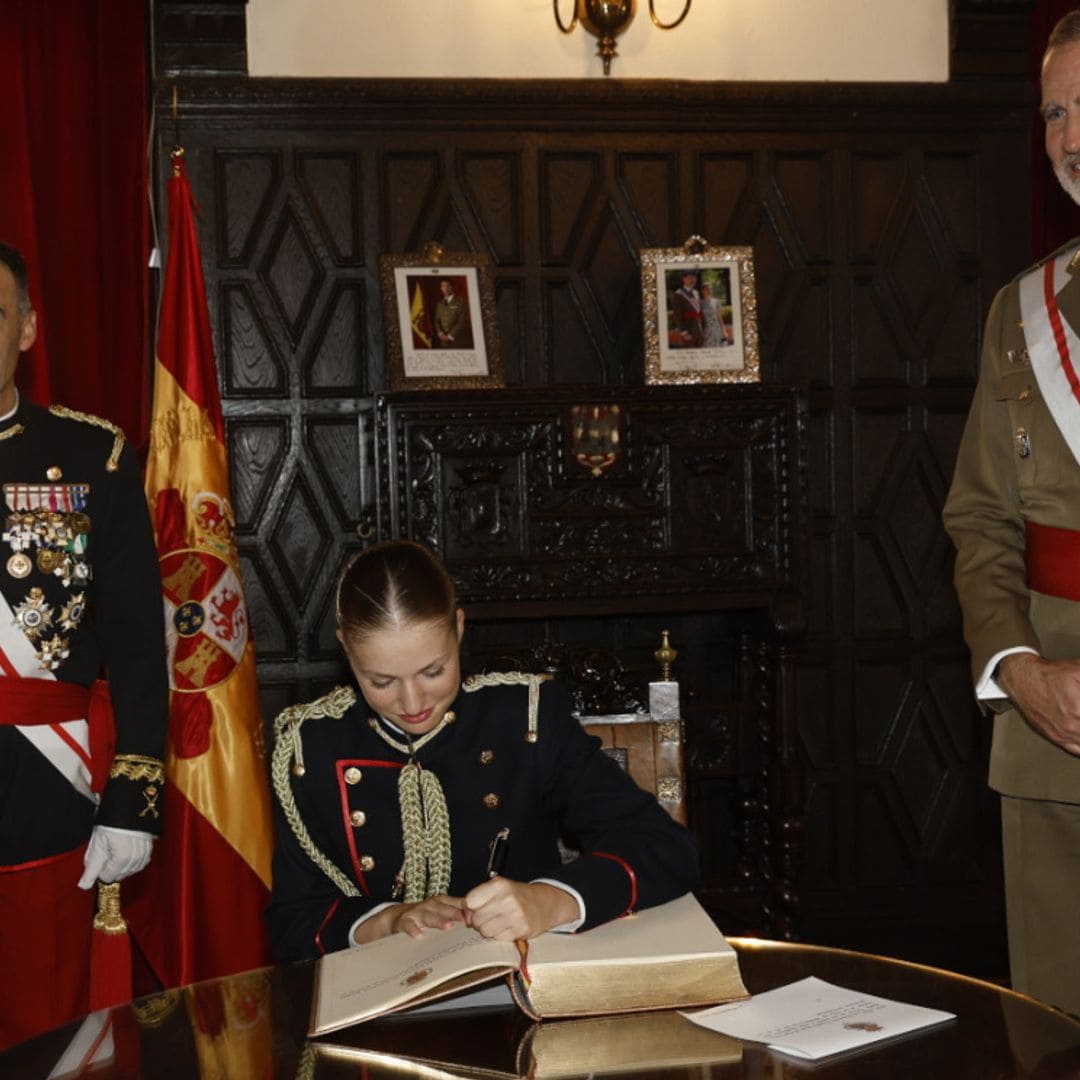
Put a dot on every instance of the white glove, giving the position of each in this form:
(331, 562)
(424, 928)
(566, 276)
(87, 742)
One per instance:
(114, 854)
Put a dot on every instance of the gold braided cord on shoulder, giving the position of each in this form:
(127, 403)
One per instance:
(513, 678)
(88, 418)
(425, 831)
(286, 747)
(336, 704)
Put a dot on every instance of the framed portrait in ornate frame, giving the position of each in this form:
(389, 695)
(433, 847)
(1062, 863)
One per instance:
(700, 314)
(439, 311)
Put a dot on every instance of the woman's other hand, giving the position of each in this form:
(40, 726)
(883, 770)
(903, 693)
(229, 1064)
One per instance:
(435, 913)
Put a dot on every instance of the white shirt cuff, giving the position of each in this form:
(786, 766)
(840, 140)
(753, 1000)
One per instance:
(567, 927)
(986, 688)
(353, 943)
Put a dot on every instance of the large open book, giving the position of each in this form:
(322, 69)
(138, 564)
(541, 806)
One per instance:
(667, 957)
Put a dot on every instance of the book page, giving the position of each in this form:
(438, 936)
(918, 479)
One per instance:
(368, 980)
(813, 1019)
(678, 930)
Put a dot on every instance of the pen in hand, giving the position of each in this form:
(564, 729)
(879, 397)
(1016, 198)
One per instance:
(497, 852)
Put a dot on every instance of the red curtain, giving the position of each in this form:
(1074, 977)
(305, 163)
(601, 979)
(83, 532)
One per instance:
(73, 198)
(1055, 217)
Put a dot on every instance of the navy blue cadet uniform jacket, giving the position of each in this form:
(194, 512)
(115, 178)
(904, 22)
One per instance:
(107, 617)
(633, 853)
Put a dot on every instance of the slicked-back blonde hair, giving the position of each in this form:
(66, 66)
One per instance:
(390, 585)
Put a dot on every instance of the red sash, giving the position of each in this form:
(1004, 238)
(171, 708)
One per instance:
(27, 702)
(1053, 560)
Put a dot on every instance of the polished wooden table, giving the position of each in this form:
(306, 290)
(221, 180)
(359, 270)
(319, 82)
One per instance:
(252, 1026)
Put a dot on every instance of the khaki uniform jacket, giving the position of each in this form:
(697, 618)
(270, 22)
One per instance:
(996, 488)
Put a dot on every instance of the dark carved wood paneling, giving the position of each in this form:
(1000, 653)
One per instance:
(697, 507)
(882, 220)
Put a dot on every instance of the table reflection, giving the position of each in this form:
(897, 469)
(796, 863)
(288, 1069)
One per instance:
(253, 1026)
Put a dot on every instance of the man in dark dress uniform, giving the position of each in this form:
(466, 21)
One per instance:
(80, 598)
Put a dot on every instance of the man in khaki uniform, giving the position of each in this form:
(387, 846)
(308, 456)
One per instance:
(1014, 514)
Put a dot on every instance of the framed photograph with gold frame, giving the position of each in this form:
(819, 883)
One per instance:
(439, 310)
(700, 314)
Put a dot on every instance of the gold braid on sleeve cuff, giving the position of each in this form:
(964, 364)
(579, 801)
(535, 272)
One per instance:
(147, 771)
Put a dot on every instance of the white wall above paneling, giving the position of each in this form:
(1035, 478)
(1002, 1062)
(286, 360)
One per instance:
(756, 40)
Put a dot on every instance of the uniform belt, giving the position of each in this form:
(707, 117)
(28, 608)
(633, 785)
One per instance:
(29, 702)
(1053, 560)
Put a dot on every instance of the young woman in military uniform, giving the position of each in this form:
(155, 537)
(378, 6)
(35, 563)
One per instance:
(388, 802)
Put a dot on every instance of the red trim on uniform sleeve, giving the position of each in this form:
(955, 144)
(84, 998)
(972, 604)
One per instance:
(629, 873)
(322, 926)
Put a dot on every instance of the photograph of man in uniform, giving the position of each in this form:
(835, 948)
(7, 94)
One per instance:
(686, 331)
(453, 328)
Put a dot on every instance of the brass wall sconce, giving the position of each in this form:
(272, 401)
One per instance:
(606, 19)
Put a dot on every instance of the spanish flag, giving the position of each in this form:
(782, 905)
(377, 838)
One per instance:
(421, 325)
(196, 912)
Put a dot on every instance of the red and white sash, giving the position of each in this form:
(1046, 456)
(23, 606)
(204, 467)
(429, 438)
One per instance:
(65, 745)
(1053, 345)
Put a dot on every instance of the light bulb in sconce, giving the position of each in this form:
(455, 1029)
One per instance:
(607, 19)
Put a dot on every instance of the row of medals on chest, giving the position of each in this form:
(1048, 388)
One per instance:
(60, 539)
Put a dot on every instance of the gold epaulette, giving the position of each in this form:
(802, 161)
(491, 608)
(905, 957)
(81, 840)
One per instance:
(288, 757)
(336, 704)
(1067, 246)
(513, 678)
(87, 418)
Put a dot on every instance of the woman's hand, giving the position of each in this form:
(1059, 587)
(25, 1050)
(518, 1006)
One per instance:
(507, 910)
(436, 913)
